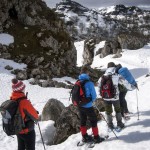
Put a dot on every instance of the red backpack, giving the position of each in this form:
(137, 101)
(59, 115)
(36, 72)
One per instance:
(78, 94)
(107, 89)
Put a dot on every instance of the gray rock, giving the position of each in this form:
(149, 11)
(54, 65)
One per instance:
(88, 52)
(67, 124)
(22, 75)
(52, 110)
(131, 41)
(8, 67)
(111, 47)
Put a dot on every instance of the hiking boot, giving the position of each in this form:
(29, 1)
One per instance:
(119, 120)
(109, 120)
(120, 125)
(126, 116)
(110, 126)
(98, 139)
(86, 138)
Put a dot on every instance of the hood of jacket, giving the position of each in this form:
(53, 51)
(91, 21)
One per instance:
(110, 71)
(84, 76)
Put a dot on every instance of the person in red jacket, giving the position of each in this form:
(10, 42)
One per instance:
(26, 138)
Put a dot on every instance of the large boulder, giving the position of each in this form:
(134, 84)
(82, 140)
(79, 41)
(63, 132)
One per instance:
(132, 41)
(67, 124)
(52, 110)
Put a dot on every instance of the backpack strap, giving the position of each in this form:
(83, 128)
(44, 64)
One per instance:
(18, 101)
(82, 84)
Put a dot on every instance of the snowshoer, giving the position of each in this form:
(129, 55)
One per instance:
(87, 110)
(111, 95)
(26, 138)
(124, 72)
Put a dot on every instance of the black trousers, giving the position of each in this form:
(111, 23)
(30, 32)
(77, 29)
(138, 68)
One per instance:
(87, 113)
(26, 141)
(123, 103)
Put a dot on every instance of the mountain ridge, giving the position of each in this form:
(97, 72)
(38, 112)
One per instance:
(106, 23)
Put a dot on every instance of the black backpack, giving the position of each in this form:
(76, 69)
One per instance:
(107, 89)
(78, 94)
(11, 118)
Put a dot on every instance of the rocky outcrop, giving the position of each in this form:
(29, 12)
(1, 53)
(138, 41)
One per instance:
(88, 53)
(110, 47)
(132, 41)
(41, 40)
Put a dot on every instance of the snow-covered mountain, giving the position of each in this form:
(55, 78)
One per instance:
(105, 23)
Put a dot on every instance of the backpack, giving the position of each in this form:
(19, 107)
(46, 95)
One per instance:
(11, 118)
(78, 94)
(107, 89)
(127, 75)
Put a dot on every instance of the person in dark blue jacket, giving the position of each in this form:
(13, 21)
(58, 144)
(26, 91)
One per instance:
(125, 73)
(87, 110)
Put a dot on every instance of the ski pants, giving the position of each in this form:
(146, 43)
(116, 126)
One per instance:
(26, 141)
(87, 113)
(109, 109)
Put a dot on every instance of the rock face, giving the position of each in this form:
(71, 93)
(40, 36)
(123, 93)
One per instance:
(52, 110)
(132, 41)
(41, 40)
(88, 53)
(111, 47)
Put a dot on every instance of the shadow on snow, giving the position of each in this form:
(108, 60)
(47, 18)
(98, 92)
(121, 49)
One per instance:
(138, 136)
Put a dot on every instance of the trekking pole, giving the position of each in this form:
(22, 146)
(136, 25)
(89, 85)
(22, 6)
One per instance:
(41, 136)
(106, 121)
(137, 104)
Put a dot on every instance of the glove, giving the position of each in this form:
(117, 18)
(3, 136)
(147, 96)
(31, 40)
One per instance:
(136, 86)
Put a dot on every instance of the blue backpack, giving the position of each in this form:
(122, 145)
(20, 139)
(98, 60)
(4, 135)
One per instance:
(127, 75)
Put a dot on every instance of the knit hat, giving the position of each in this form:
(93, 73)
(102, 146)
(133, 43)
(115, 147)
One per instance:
(111, 64)
(17, 86)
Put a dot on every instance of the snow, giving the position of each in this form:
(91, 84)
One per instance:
(6, 39)
(79, 48)
(107, 9)
(136, 135)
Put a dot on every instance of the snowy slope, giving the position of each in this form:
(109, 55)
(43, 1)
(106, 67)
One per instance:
(135, 136)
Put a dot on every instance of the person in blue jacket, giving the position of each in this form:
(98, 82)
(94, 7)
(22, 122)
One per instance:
(125, 73)
(87, 110)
